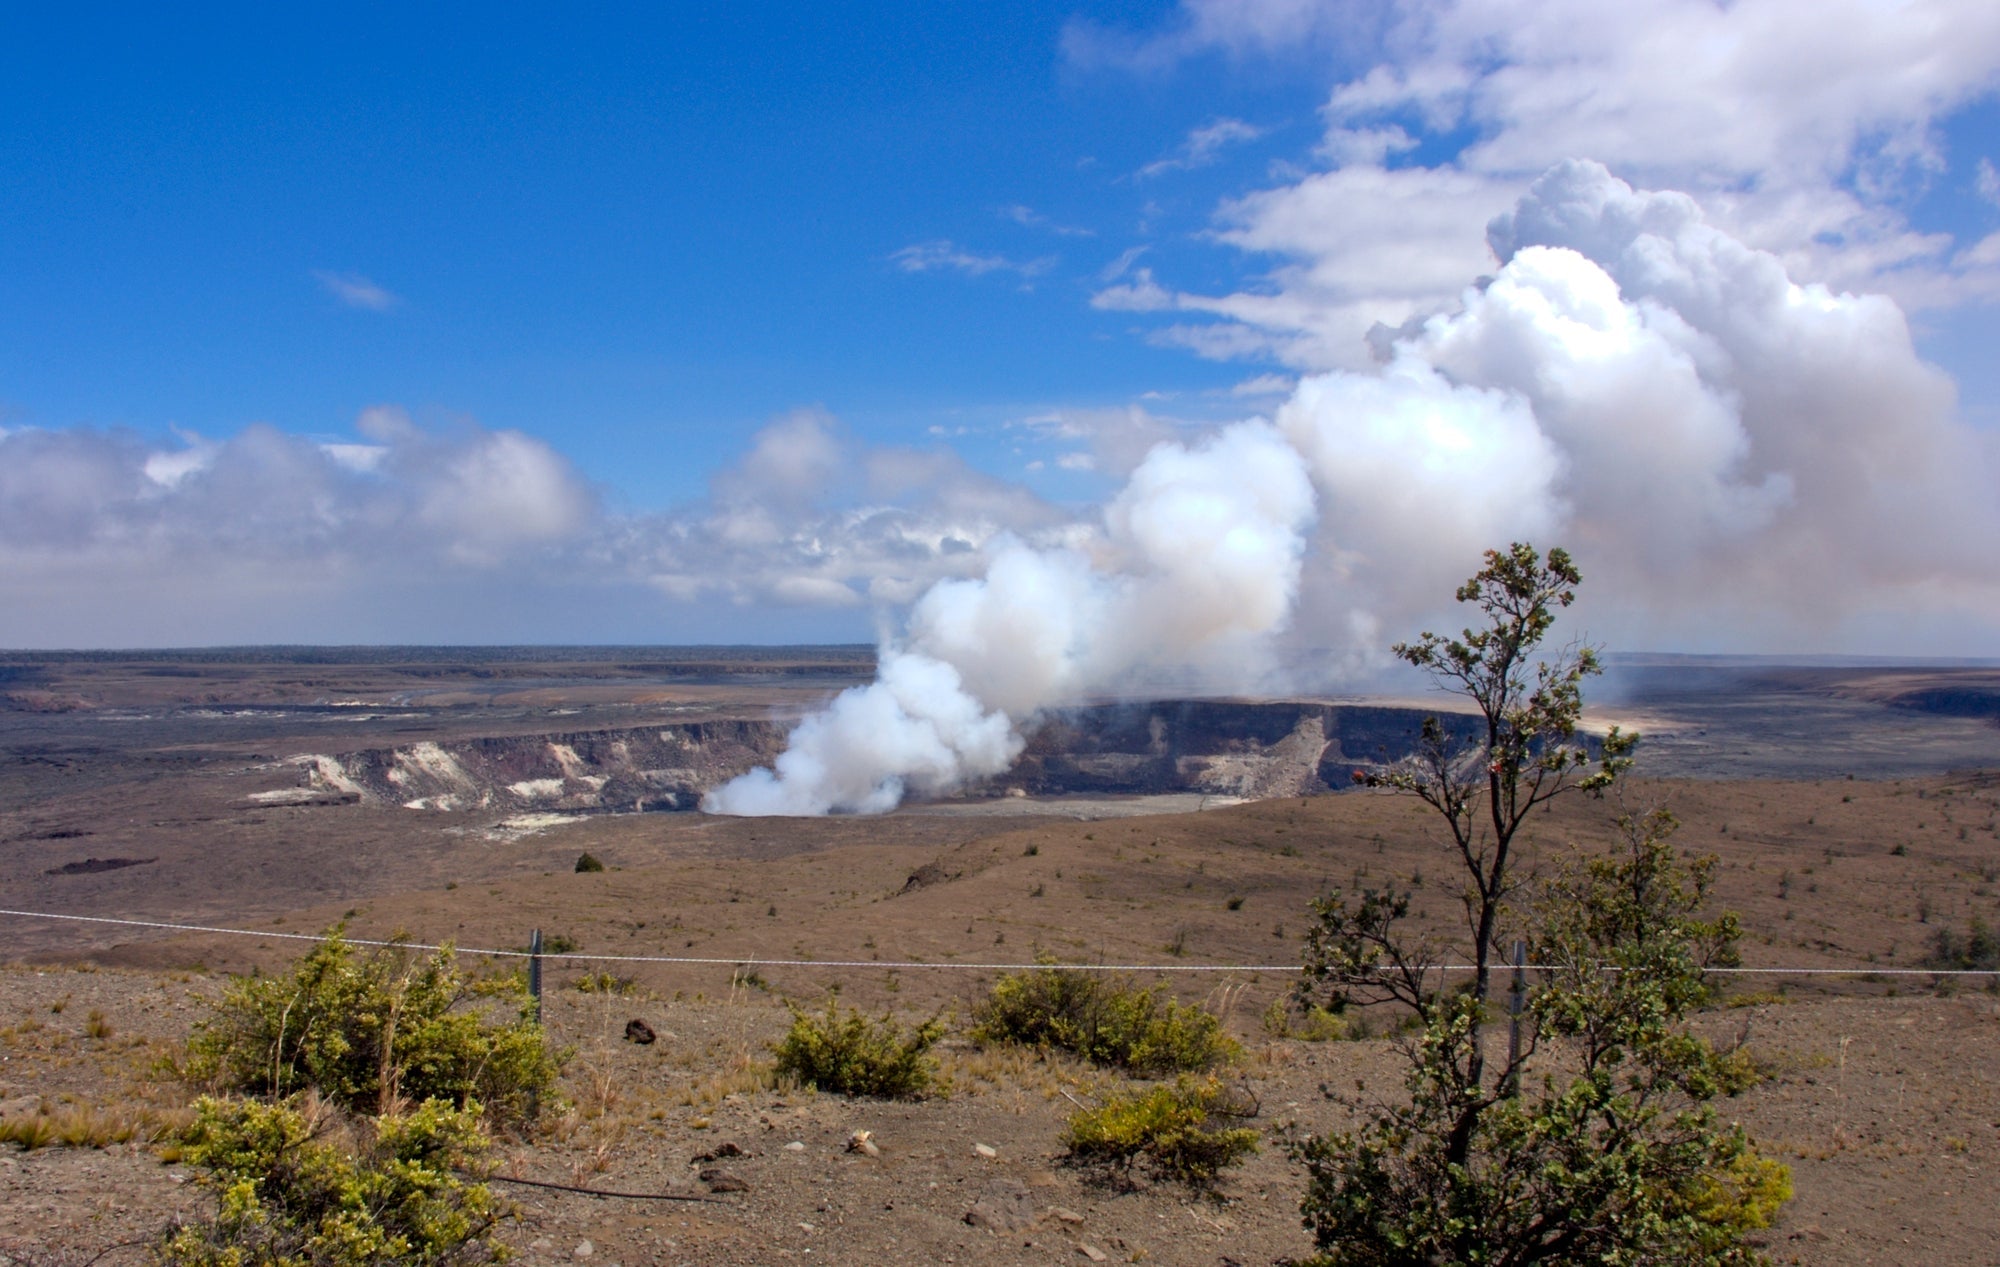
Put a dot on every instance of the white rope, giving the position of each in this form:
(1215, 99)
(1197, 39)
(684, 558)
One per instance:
(757, 962)
(740, 961)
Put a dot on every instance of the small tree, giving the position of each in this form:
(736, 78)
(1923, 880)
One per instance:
(1525, 754)
(1616, 1155)
(1618, 1159)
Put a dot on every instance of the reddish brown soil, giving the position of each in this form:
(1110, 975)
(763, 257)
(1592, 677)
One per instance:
(1881, 1095)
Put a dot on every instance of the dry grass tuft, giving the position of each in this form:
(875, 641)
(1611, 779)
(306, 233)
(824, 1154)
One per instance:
(88, 1126)
(743, 1074)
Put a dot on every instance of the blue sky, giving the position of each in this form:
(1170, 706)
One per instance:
(574, 274)
(625, 233)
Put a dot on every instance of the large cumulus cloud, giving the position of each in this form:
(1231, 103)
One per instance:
(1807, 127)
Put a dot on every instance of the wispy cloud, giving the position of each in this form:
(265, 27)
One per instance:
(357, 291)
(1141, 294)
(1028, 217)
(943, 255)
(1237, 28)
(1119, 267)
(1203, 145)
(1265, 385)
(1987, 181)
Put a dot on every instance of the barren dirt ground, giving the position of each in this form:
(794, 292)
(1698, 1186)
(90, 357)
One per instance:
(1882, 1093)
(1893, 1145)
(1886, 1107)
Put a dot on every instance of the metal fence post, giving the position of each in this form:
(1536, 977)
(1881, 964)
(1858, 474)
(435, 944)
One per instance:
(535, 972)
(1514, 997)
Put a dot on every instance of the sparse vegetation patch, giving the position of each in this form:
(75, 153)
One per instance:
(1975, 950)
(371, 1031)
(847, 1053)
(295, 1183)
(1104, 1021)
(1167, 1129)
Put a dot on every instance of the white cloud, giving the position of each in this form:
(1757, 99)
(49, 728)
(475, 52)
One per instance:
(362, 459)
(1028, 218)
(1141, 294)
(1986, 180)
(357, 291)
(814, 591)
(1805, 126)
(1118, 267)
(502, 490)
(168, 468)
(1264, 385)
(1238, 28)
(944, 256)
(1203, 146)
(1769, 92)
(792, 462)
(421, 535)
(1119, 438)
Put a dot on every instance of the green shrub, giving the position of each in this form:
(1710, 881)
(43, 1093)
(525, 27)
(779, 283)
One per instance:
(1734, 1200)
(1309, 1024)
(369, 1032)
(1107, 1022)
(1977, 950)
(1166, 1128)
(587, 862)
(296, 1187)
(849, 1054)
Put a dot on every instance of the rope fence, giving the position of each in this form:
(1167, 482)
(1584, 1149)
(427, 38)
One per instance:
(753, 961)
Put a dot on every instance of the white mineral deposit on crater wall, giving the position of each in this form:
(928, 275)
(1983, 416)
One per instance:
(536, 789)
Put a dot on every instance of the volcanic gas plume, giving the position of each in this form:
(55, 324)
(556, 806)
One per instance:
(1716, 443)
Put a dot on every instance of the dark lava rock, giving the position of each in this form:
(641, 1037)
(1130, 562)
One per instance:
(90, 866)
(720, 1180)
(1004, 1206)
(637, 1031)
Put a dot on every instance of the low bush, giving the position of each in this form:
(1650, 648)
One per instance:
(587, 862)
(1731, 1202)
(1309, 1024)
(849, 1054)
(1107, 1022)
(296, 1185)
(1976, 950)
(369, 1032)
(1166, 1128)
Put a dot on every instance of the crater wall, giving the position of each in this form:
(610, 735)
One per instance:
(1218, 747)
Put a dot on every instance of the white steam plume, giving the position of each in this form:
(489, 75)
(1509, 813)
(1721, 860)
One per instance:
(1733, 457)
(1198, 557)
(1722, 448)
